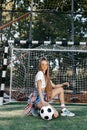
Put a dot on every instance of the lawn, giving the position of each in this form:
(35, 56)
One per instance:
(12, 117)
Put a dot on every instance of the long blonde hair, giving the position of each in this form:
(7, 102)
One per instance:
(48, 88)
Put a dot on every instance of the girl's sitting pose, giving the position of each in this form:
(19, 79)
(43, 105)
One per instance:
(46, 90)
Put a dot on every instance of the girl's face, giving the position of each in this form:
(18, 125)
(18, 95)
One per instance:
(44, 65)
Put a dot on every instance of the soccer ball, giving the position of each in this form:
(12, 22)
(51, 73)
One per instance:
(46, 112)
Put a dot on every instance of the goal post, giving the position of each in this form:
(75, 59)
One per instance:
(66, 64)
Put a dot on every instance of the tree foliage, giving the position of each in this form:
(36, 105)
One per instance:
(51, 19)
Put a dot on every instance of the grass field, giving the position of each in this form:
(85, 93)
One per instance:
(12, 117)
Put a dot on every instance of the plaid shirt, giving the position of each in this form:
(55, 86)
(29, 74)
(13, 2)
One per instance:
(30, 103)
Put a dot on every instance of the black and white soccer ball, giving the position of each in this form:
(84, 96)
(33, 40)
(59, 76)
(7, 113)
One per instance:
(46, 112)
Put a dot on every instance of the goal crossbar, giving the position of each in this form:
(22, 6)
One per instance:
(47, 42)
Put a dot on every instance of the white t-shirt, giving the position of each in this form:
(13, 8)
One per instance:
(40, 76)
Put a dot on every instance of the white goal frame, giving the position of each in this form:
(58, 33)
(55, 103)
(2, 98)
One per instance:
(40, 49)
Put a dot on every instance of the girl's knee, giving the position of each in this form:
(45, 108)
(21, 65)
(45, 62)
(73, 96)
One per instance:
(56, 114)
(62, 90)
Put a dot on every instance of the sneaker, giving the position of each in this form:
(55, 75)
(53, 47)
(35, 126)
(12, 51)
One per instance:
(66, 112)
(35, 112)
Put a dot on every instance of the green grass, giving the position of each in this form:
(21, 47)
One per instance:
(12, 117)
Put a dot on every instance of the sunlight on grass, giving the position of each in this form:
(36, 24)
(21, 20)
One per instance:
(11, 113)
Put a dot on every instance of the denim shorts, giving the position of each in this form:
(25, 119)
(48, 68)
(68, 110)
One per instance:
(38, 98)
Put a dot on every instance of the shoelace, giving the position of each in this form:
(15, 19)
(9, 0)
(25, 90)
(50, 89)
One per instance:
(67, 111)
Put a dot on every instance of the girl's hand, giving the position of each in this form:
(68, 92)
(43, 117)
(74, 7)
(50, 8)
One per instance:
(44, 103)
(66, 84)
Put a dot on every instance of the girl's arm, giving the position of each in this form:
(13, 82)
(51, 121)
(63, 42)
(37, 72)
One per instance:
(60, 85)
(39, 83)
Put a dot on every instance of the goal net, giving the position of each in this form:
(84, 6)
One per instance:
(67, 63)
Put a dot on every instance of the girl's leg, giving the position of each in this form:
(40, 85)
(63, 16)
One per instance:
(60, 93)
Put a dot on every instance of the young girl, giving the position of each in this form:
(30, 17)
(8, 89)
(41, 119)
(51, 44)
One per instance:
(42, 84)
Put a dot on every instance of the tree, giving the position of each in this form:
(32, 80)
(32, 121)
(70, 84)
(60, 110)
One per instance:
(51, 19)
(56, 23)
(52, 26)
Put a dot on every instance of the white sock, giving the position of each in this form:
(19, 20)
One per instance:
(63, 107)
